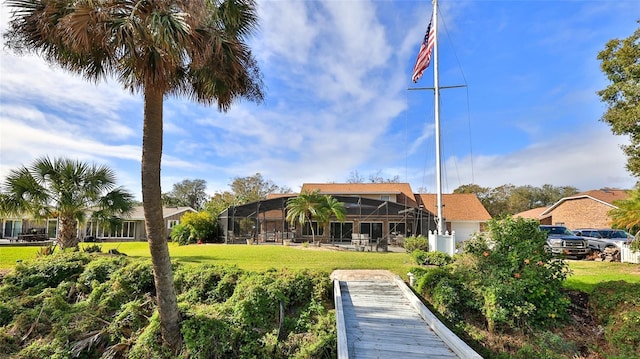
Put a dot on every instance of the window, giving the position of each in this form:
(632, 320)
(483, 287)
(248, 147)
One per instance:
(385, 197)
(341, 230)
(373, 229)
(12, 228)
(172, 222)
(52, 228)
(126, 229)
(306, 230)
(397, 228)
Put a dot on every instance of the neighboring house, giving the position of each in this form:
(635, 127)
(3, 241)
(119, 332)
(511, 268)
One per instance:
(536, 213)
(374, 211)
(17, 227)
(586, 209)
(132, 227)
(463, 213)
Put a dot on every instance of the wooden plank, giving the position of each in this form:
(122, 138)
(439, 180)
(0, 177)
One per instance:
(381, 323)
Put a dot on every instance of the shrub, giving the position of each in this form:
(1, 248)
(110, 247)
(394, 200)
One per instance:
(416, 243)
(101, 269)
(92, 248)
(195, 227)
(6, 314)
(47, 272)
(182, 234)
(445, 291)
(431, 258)
(504, 275)
(96, 305)
(206, 284)
(515, 282)
(616, 306)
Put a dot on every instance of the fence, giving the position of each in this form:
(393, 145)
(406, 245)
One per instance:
(629, 256)
(442, 242)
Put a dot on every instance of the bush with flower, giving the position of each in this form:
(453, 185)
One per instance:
(508, 278)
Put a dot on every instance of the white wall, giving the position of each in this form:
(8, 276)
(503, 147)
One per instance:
(464, 230)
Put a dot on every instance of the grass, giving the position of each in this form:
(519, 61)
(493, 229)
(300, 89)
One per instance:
(252, 258)
(585, 274)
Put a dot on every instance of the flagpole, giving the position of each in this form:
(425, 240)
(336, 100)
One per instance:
(436, 86)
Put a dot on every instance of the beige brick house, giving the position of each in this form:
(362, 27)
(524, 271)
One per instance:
(586, 209)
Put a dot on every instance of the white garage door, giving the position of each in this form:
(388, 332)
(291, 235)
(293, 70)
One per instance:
(464, 230)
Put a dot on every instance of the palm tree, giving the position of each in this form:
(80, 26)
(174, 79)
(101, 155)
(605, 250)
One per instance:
(194, 48)
(312, 205)
(627, 215)
(329, 208)
(303, 208)
(65, 189)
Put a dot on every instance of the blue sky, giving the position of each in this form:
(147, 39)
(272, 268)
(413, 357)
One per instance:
(336, 77)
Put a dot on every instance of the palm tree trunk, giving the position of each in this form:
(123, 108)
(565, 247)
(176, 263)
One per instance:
(154, 221)
(67, 233)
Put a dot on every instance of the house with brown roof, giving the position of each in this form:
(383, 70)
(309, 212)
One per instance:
(535, 213)
(464, 214)
(584, 210)
(133, 226)
(374, 211)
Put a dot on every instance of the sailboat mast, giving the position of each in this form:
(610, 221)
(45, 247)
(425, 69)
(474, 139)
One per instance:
(436, 86)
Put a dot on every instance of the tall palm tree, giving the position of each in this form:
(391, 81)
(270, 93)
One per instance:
(194, 48)
(65, 189)
(303, 208)
(329, 207)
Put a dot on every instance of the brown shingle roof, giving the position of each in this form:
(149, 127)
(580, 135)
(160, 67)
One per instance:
(457, 206)
(280, 195)
(362, 189)
(605, 195)
(534, 213)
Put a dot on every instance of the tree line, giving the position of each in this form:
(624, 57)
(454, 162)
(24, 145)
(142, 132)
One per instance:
(509, 199)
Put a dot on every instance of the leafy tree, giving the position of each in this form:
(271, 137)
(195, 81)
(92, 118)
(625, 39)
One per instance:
(189, 193)
(509, 199)
(620, 62)
(221, 201)
(65, 189)
(254, 188)
(157, 48)
(244, 190)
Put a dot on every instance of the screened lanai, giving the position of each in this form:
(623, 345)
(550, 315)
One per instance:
(265, 221)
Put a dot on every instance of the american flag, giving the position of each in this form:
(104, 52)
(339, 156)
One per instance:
(424, 56)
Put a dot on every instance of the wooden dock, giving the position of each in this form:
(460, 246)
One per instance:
(378, 316)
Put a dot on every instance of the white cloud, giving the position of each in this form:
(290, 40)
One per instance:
(590, 159)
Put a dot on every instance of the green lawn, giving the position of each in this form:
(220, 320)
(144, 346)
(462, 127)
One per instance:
(253, 258)
(585, 274)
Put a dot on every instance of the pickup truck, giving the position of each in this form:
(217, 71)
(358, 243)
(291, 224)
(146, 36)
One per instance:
(561, 241)
(600, 239)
